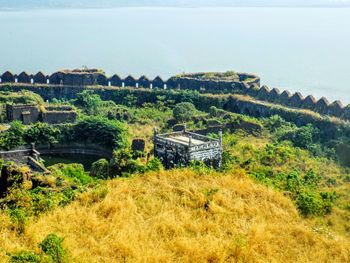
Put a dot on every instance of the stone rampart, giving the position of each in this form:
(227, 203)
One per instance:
(67, 83)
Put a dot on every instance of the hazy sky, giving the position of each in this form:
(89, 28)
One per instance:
(116, 3)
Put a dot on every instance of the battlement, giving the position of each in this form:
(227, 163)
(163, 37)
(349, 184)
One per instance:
(205, 82)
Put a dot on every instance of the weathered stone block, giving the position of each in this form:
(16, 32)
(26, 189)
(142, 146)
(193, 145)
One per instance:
(158, 83)
(336, 109)
(322, 106)
(296, 100)
(23, 78)
(8, 77)
(130, 81)
(138, 145)
(309, 102)
(40, 78)
(285, 97)
(115, 80)
(264, 93)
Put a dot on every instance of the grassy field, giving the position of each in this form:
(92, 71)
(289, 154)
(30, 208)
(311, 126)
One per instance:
(181, 216)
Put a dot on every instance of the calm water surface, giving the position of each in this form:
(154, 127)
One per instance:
(305, 50)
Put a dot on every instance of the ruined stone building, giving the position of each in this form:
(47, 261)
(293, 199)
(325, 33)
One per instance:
(31, 113)
(180, 148)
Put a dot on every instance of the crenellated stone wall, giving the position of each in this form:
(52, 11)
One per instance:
(68, 82)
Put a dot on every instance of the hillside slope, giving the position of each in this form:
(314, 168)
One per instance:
(182, 216)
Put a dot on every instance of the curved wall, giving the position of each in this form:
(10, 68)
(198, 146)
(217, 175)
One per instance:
(247, 84)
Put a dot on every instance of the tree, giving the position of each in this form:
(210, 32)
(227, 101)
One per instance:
(89, 101)
(184, 111)
(101, 131)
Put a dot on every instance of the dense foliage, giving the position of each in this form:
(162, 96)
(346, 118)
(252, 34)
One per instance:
(102, 131)
(184, 111)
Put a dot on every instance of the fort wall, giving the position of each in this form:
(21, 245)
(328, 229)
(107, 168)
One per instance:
(66, 84)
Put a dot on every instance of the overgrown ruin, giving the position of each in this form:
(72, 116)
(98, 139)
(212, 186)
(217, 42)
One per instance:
(31, 113)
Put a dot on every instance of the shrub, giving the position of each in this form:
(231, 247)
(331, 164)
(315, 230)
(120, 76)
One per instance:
(200, 167)
(228, 160)
(25, 257)
(154, 165)
(102, 131)
(123, 164)
(304, 137)
(42, 133)
(184, 111)
(74, 171)
(328, 200)
(89, 101)
(293, 182)
(309, 204)
(275, 123)
(19, 218)
(311, 178)
(100, 169)
(13, 137)
(52, 247)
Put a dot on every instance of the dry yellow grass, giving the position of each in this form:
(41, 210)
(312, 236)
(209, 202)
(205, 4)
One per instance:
(178, 216)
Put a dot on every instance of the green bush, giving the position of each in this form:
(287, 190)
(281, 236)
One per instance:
(25, 257)
(311, 178)
(99, 130)
(328, 201)
(184, 111)
(52, 247)
(124, 164)
(89, 101)
(154, 165)
(74, 171)
(304, 137)
(100, 169)
(13, 137)
(42, 133)
(20, 218)
(309, 204)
